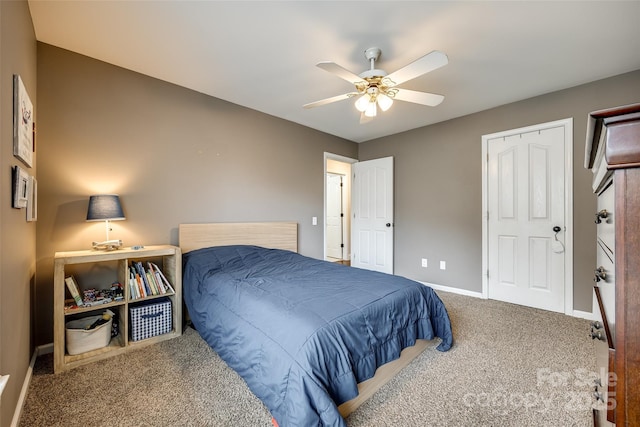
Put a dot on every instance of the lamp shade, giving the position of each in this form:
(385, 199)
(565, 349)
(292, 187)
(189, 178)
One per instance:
(361, 103)
(104, 207)
(384, 102)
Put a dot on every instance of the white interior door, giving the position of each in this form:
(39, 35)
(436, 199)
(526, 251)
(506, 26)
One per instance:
(372, 208)
(525, 201)
(334, 216)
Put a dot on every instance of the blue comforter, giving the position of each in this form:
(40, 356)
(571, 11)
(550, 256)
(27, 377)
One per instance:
(303, 332)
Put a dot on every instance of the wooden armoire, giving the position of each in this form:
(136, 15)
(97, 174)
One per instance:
(613, 154)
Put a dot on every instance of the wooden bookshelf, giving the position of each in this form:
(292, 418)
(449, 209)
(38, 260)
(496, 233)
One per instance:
(116, 263)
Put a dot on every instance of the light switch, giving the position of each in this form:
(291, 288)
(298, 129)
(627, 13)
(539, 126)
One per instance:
(314, 220)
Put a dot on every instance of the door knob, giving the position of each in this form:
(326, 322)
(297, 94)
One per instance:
(556, 229)
(600, 215)
(388, 224)
(600, 274)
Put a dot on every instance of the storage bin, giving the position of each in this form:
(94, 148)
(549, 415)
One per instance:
(150, 319)
(80, 340)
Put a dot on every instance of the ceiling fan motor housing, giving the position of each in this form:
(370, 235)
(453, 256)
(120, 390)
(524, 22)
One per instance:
(370, 74)
(372, 54)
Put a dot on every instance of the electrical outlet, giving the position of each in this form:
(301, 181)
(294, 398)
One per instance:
(443, 265)
(424, 262)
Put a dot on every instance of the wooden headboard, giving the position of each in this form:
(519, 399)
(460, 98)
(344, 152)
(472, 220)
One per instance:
(275, 235)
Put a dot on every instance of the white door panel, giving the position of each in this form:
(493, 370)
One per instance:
(525, 186)
(372, 207)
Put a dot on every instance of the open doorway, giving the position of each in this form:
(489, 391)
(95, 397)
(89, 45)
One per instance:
(337, 208)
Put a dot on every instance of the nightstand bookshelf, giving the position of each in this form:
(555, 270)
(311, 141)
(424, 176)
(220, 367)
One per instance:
(88, 265)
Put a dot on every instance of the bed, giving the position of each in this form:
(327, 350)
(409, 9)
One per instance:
(312, 339)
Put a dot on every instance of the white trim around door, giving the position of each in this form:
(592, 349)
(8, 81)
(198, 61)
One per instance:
(567, 125)
(347, 208)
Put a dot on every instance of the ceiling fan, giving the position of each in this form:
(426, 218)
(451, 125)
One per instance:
(374, 88)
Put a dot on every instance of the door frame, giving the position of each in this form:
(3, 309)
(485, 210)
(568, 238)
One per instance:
(343, 216)
(567, 124)
(347, 229)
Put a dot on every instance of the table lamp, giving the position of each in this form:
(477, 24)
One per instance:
(105, 207)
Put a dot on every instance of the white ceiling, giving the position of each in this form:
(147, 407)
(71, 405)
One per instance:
(262, 54)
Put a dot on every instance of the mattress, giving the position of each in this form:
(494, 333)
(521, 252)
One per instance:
(303, 332)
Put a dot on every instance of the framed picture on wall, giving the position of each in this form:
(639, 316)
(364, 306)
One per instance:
(32, 199)
(20, 187)
(22, 122)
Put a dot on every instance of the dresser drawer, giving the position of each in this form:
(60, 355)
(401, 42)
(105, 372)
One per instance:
(605, 218)
(603, 394)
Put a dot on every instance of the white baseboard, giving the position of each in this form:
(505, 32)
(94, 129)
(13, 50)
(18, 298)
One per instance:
(576, 313)
(584, 315)
(44, 349)
(40, 350)
(453, 290)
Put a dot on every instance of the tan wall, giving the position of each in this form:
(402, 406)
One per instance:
(438, 184)
(174, 156)
(18, 237)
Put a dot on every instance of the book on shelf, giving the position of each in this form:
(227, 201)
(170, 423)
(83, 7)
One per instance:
(136, 282)
(164, 279)
(149, 281)
(134, 290)
(142, 278)
(74, 290)
(152, 284)
(157, 279)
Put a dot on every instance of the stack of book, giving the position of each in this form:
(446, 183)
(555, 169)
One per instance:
(147, 282)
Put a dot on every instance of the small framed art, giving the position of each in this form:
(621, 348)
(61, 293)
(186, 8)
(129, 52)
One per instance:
(23, 128)
(32, 199)
(20, 187)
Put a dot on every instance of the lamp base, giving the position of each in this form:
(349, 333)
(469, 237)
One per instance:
(107, 245)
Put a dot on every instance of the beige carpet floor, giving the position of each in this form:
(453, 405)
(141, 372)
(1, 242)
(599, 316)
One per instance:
(509, 366)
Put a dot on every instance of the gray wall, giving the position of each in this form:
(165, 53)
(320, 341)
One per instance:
(438, 184)
(18, 237)
(174, 156)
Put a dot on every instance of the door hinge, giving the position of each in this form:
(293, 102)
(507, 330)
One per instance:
(341, 215)
(487, 273)
(342, 245)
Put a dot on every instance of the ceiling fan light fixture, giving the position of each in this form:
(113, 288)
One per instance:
(384, 102)
(374, 87)
(362, 102)
(371, 110)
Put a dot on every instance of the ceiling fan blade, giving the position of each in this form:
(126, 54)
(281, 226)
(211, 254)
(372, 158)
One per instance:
(429, 62)
(339, 71)
(330, 100)
(424, 98)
